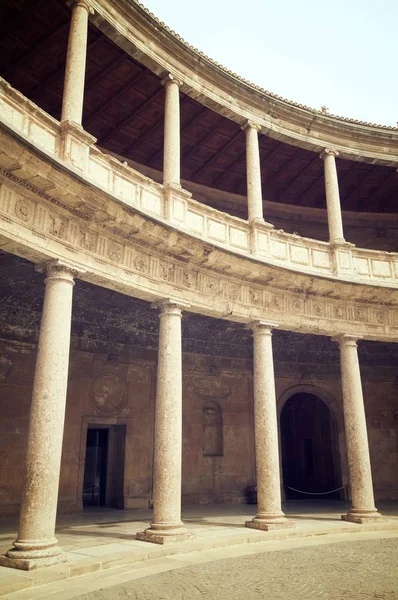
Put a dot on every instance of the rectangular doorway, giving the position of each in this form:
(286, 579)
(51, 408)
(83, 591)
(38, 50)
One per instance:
(103, 483)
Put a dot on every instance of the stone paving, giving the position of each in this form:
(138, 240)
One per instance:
(361, 566)
(359, 570)
(102, 544)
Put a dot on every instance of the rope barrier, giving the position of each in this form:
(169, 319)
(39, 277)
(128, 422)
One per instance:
(316, 493)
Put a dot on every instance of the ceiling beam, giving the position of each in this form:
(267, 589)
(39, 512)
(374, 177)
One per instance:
(18, 16)
(208, 135)
(148, 132)
(347, 199)
(217, 153)
(274, 176)
(298, 200)
(384, 184)
(300, 174)
(60, 70)
(131, 116)
(32, 49)
(231, 167)
(113, 64)
(109, 101)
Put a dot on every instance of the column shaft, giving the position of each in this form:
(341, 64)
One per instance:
(72, 103)
(36, 544)
(335, 222)
(167, 525)
(253, 174)
(269, 513)
(363, 506)
(171, 156)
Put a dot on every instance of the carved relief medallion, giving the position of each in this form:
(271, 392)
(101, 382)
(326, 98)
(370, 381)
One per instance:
(108, 394)
(115, 251)
(24, 210)
(141, 263)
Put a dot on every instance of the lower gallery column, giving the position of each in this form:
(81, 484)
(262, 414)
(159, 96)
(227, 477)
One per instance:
(167, 525)
(36, 545)
(363, 506)
(269, 513)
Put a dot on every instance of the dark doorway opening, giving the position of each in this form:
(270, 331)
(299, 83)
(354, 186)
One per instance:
(310, 455)
(94, 486)
(103, 483)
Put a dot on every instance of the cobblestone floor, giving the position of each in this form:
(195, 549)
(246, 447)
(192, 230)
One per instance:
(357, 570)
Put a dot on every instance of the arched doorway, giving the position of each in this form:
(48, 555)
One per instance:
(310, 455)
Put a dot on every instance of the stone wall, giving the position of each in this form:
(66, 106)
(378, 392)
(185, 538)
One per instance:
(218, 442)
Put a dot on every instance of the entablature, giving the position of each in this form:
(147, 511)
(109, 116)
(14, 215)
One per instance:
(128, 234)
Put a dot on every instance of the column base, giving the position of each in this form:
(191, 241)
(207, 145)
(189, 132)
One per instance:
(20, 560)
(371, 516)
(254, 221)
(270, 524)
(165, 536)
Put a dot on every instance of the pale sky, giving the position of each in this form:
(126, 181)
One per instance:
(341, 53)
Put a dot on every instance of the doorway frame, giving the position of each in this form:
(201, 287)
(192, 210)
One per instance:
(336, 414)
(100, 423)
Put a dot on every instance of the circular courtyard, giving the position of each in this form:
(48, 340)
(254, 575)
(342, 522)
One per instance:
(349, 570)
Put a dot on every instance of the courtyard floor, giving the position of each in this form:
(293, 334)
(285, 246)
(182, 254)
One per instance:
(225, 560)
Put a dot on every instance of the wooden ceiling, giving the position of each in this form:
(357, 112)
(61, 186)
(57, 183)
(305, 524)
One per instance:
(123, 109)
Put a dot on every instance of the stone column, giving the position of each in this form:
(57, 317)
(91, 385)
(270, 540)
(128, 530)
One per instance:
(269, 513)
(36, 545)
(171, 155)
(335, 222)
(253, 173)
(72, 103)
(363, 507)
(167, 525)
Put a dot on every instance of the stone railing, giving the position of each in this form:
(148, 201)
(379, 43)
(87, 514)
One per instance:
(75, 148)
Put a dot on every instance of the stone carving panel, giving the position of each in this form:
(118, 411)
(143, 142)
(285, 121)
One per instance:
(24, 210)
(108, 393)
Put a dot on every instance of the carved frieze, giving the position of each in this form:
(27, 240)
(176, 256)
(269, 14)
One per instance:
(223, 293)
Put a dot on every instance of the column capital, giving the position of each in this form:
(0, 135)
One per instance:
(170, 306)
(329, 152)
(346, 339)
(262, 327)
(57, 267)
(83, 3)
(170, 78)
(251, 125)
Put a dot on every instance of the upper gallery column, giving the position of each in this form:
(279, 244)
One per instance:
(253, 173)
(36, 544)
(166, 525)
(171, 155)
(72, 103)
(269, 513)
(333, 206)
(363, 505)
